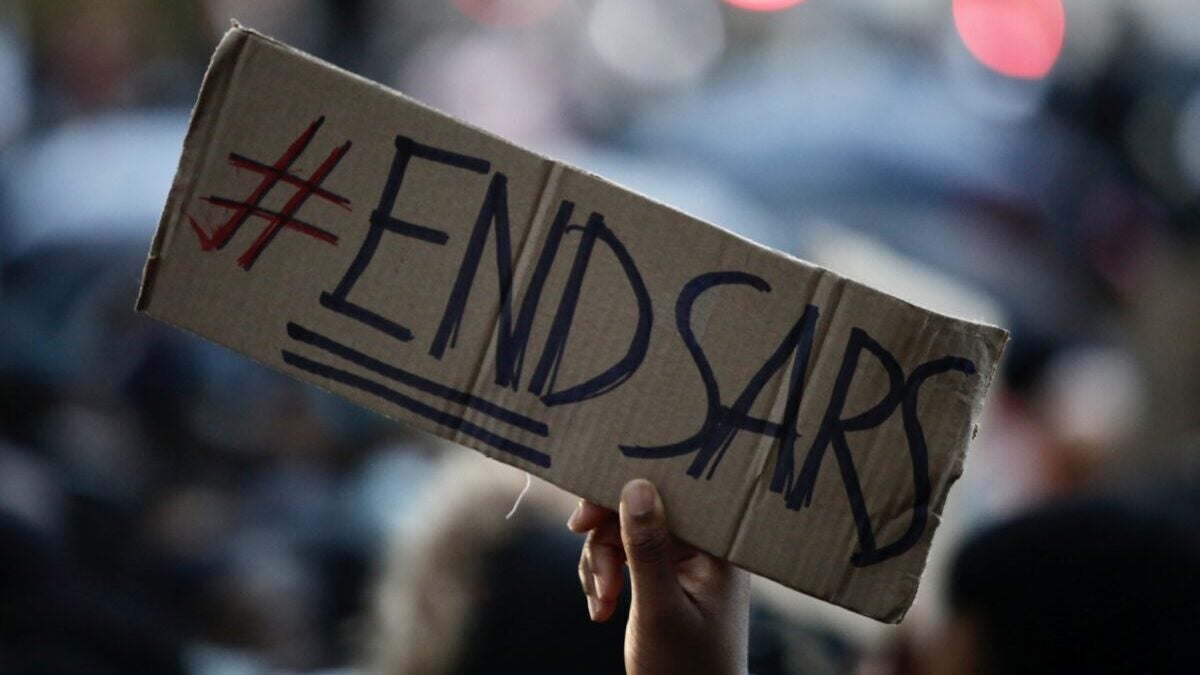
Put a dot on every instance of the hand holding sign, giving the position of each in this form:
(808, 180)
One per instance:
(800, 425)
(690, 610)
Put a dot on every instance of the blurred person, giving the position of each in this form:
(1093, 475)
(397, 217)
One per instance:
(1163, 320)
(338, 31)
(89, 52)
(260, 609)
(1089, 403)
(1084, 586)
(96, 56)
(465, 590)
(145, 525)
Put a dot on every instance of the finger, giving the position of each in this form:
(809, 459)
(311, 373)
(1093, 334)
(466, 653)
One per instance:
(606, 555)
(587, 581)
(588, 516)
(607, 532)
(647, 548)
(585, 571)
(600, 568)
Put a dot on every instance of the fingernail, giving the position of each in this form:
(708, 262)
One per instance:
(591, 608)
(639, 498)
(575, 516)
(598, 584)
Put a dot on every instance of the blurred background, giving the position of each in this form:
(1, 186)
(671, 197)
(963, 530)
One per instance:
(1031, 163)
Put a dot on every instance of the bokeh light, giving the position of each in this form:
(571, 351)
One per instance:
(661, 43)
(489, 80)
(763, 5)
(507, 13)
(1017, 38)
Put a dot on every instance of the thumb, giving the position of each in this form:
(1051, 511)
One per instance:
(647, 546)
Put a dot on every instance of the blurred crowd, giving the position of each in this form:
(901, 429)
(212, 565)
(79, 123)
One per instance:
(166, 506)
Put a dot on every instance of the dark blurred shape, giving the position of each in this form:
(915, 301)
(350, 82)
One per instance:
(54, 621)
(781, 646)
(1085, 586)
(530, 619)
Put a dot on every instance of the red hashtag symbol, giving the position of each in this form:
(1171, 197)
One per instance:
(276, 220)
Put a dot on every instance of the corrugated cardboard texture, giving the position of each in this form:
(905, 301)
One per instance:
(801, 425)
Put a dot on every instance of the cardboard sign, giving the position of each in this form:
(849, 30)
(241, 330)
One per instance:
(801, 425)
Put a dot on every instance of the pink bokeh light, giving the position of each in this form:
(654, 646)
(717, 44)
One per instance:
(507, 13)
(763, 5)
(1016, 38)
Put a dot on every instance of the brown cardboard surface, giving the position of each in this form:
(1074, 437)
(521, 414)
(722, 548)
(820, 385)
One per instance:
(804, 426)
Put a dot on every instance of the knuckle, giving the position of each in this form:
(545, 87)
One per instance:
(648, 546)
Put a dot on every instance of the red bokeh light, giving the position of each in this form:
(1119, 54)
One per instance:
(763, 5)
(507, 13)
(1017, 38)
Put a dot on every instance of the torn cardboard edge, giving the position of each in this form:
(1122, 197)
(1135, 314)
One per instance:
(185, 306)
